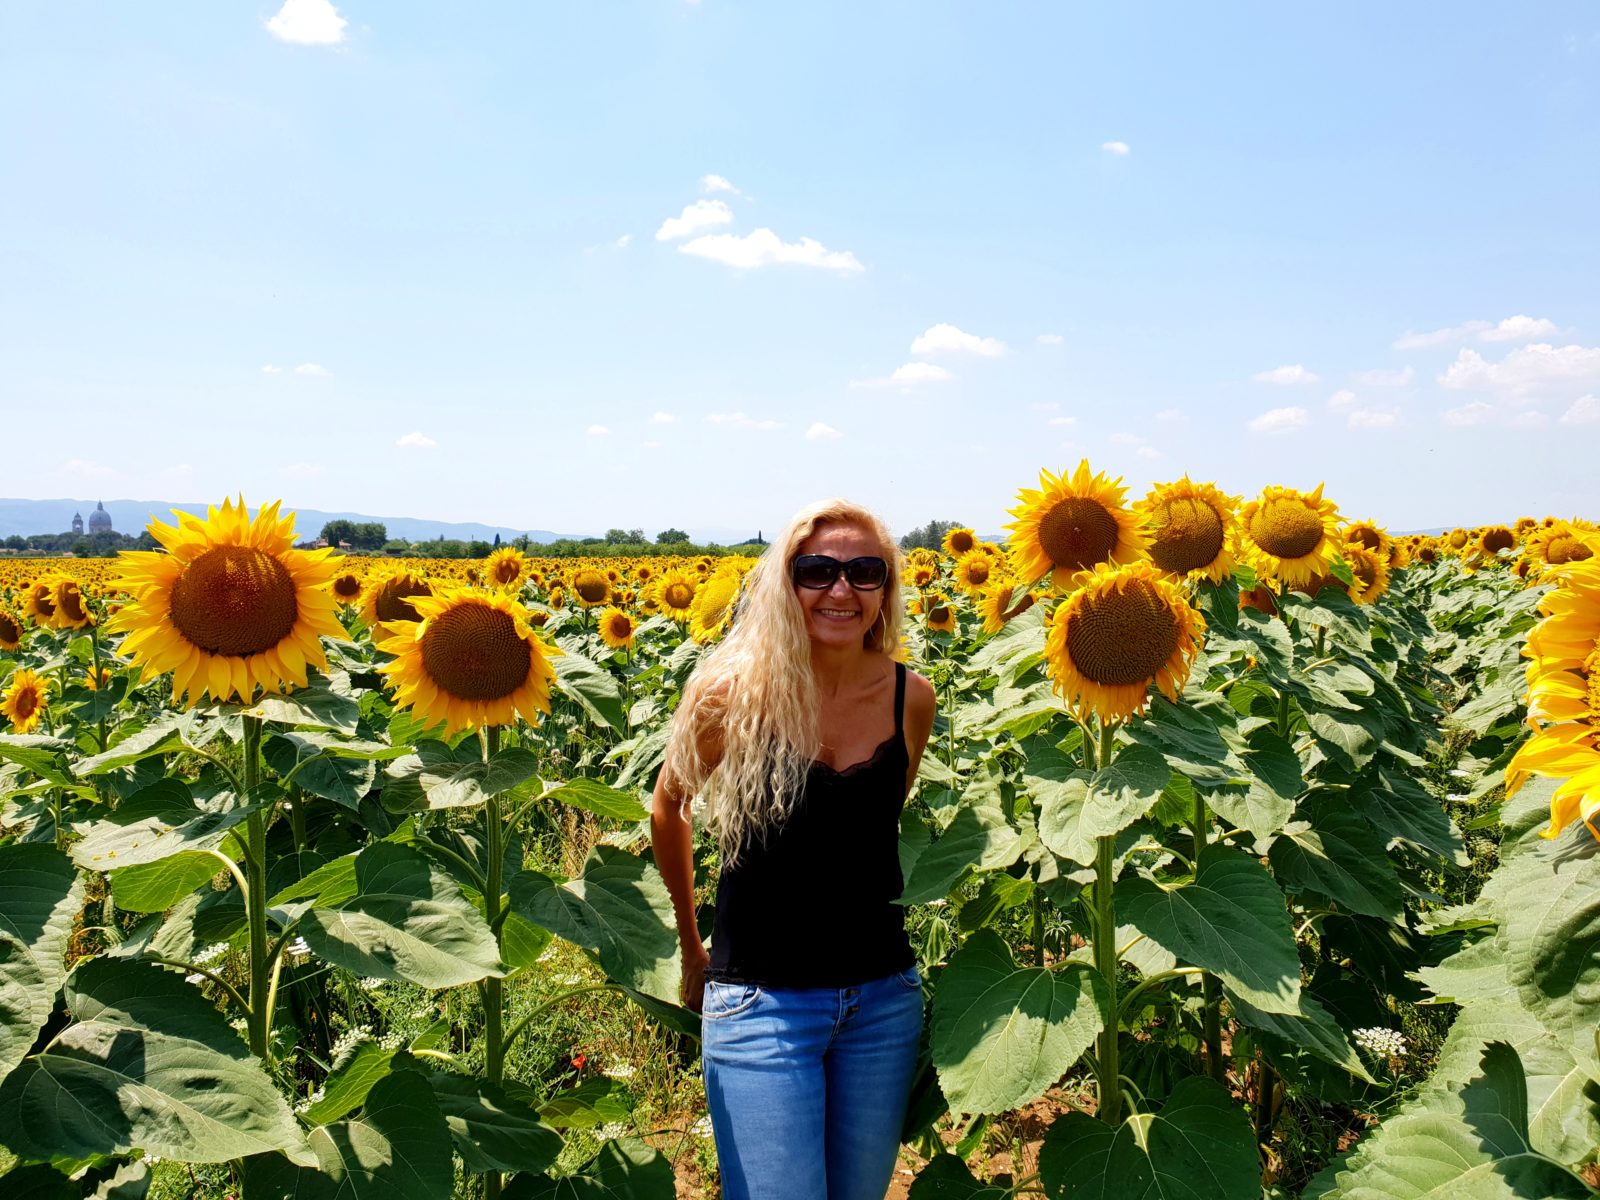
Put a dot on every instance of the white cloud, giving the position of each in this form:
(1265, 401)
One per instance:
(945, 338)
(1386, 378)
(597, 431)
(1172, 416)
(1049, 339)
(716, 183)
(1120, 149)
(315, 370)
(1279, 420)
(1126, 439)
(1064, 422)
(1528, 370)
(820, 432)
(623, 242)
(84, 468)
(1519, 329)
(1440, 337)
(1374, 418)
(763, 248)
(1585, 410)
(662, 418)
(302, 470)
(269, 369)
(179, 471)
(1147, 452)
(1530, 419)
(1342, 399)
(1045, 405)
(738, 420)
(906, 374)
(1285, 376)
(702, 214)
(307, 23)
(417, 441)
(1475, 413)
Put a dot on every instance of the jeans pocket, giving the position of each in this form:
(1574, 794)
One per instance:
(727, 999)
(909, 978)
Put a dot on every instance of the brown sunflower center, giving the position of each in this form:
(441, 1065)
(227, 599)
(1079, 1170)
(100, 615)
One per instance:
(70, 602)
(1186, 535)
(1565, 549)
(472, 652)
(591, 586)
(978, 571)
(505, 572)
(1122, 637)
(1427, 554)
(25, 703)
(1458, 539)
(1078, 532)
(1286, 527)
(234, 601)
(1498, 539)
(678, 595)
(10, 629)
(961, 542)
(1365, 568)
(41, 600)
(1361, 535)
(394, 598)
(620, 626)
(939, 614)
(347, 586)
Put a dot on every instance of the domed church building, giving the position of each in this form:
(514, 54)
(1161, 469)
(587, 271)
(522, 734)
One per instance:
(99, 519)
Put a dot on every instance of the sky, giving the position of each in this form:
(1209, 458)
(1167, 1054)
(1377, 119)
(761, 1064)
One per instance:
(654, 263)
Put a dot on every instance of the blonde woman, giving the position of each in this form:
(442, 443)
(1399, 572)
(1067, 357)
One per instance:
(803, 735)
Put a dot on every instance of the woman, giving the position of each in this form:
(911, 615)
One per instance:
(804, 735)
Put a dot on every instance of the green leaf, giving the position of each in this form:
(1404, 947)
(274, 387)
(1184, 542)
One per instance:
(153, 739)
(594, 1102)
(1309, 1027)
(978, 835)
(36, 753)
(406, 921)
(1335, 854)
(315, 705)
(998, 893)
(162, 820)
(1231, 920)
(625, 1169)
(40, 895)
(150, 1064)
(346, 1088)
(1400, 809)
(1470, 1144)
(157, 886)
(316, 771)
(947, 1178)
(454, 777)
(1002, 1034)
(38, 1181)
(591, 685)
(493, 1128)
(1264, 806)
(1551, 940)
(619, 908)
(598, 798)
(1349, 739)
(1188, 737)
(1076, 808)
(1200, 1146)
(398, 1149)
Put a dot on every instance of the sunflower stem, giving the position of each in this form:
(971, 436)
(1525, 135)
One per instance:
(255, 897)
(1210, 987)
(494, 1052)
(94, 642)
(1105, 957)
(297, 819)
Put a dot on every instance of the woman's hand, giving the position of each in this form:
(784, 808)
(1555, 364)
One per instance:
(692, 988)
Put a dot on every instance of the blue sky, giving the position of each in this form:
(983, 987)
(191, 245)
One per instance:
(650, 263)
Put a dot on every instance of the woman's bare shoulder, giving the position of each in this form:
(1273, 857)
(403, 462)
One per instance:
(920, 697)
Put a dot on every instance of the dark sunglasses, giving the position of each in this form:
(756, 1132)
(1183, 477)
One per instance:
(818, 571)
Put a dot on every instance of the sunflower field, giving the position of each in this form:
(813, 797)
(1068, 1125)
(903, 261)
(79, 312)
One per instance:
(1255, 853)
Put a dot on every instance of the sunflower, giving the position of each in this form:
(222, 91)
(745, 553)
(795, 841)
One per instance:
(959, 540)
(974, 571)
(1457, 539)
(674, 592)
(1426, 553)
(391, 598)
(1555, 545)
(591, 587)
(1123, 629)
(346, 587)
(72, 612)
(231, 607)
(24, 701)
(941, 614)
(472, 660)
(1073, 524)
(995, 607)
(923, 575)
(1495, 538)
(95, 681)
(39, 601)
(712, 611)
(558, 598)
(1290, 535)
(1191, 528)
(617, 629)
(10, 630)
(923, 556)
(506, 568)
(1371, 573)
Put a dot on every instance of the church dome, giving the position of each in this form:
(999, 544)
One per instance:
(100, 519)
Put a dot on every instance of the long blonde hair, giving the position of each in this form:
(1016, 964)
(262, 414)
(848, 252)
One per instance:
(757, 690)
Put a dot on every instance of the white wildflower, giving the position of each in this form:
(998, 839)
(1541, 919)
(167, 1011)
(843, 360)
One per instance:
(372, 983)
(213, 951)
(615, 1129)
(194, 978)
(1380, 1042)
(701, 1128)
(298, 950)
(392, 1041)
(548, 954)
(348, 1041)
(621, 1071)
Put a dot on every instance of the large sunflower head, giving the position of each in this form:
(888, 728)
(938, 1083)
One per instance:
(1457, 539)
(1369, 535)
(975, 570)
(959, 540)
(712, 612)
(507, 568)
(346, 588)
(1371, 572)
(1191, 529)
(232, 605)
(617, 629)
(592, 587)
(72, 608)
(1123, 629)
(941, 614)
(472, 660)
(1556, 545)
(1072, 524)
(10, 630)
(392, 598)
(39, 600)
(23, 702)
(1494, 538)
(674, 592)
(1289, 534)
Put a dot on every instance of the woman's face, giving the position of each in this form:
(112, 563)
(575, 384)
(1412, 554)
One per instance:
(840, 615)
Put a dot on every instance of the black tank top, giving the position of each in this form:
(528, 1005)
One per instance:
(814, 906)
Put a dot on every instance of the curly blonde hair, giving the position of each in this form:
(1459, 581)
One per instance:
(757, 690)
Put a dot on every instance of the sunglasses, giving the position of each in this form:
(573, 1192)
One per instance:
(818, 571)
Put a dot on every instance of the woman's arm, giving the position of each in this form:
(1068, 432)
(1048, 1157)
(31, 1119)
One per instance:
(920, 707)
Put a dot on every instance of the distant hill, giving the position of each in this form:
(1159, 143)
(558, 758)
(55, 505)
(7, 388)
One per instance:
(28, 517)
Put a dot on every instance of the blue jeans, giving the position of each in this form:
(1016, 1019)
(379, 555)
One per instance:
(808, 1086)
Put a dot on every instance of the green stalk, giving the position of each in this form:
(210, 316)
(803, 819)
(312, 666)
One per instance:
(1107, 1067)
(297, 819)
(255, 895)
(494, 1051)
(94, 640)
(1038, 928)
(1210, 985)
